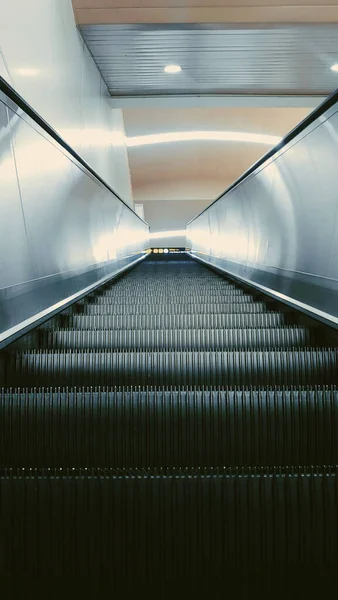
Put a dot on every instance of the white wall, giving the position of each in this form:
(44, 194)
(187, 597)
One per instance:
(44, 58)
(171, 215)
(169, 205)
(205, 189)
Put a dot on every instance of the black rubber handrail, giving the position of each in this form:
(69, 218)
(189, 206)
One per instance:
(311, 118)
(10, 92)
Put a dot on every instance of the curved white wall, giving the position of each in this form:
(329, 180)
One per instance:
(44, 58)
(278, 227)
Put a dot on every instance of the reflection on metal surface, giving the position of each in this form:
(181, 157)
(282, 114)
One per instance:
(31, 321)
(94, 137)
(61, 230)
(27, 71)
(278, 228)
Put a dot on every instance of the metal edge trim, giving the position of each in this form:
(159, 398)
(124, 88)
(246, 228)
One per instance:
(10, 92)
(310, 311)
(10, 335)
(309, 120)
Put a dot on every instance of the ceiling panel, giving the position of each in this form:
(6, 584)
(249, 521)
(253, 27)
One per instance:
(293, 59)
(104, 4)
(205, 11)
(186, 170)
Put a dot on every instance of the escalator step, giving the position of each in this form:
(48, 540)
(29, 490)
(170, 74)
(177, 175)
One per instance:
(193, 526)
(191, 321)
(161, 368)
(198, 295)
(169, 308)
(170, 426)
(173, 286)
(193, 339)
(173, 300)
(167, 428)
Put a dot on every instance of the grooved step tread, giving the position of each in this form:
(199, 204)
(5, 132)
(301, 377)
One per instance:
(168, 428)
(169, 308)
(189, 339)
(166, 367)
(171, 321)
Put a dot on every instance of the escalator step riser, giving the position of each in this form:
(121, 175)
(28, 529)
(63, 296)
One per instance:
(173, 289)
(168, 428)
(122, 309)
(172, 300)
(156, 293)
(140, 278)
(202, 526)
(207, 321)
(165, 286)
(205, 368)
(173, 273)
(168, 277)
(174, 339)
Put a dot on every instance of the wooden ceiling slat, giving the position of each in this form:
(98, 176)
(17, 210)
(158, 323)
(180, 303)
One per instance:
(235, 14)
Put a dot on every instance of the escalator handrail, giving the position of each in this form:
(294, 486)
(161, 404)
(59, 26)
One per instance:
(13, 95)
(311, 118)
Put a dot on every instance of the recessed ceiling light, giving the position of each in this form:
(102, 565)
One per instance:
(335, 68)
(173, 69)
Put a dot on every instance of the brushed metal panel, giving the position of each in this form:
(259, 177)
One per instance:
(215, 59)
(13, 240)
(278, 227)
(62, 231)
(43, 56)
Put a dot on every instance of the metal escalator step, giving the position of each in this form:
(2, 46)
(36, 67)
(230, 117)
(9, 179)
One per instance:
(190, 525)
(158, 294)
(191, 321)
(174, 285)
(153, 309)
(204, 298)
(172, 272)
(173, 275)
(194, 339)
(173, 288)
(172, 300)
(205, 368)
(168, 428)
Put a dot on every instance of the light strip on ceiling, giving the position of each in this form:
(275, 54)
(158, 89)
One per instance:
(190, 136)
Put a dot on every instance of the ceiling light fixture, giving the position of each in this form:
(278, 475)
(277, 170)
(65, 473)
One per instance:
(215, 136)
(172, 69)
(335, 68)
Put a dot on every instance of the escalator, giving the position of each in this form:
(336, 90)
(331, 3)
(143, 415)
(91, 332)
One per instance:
(172, 428)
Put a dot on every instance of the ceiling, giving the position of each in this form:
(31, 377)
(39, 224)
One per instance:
(240, 58)
(198, 170)
(205, 11)
(293, 59)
